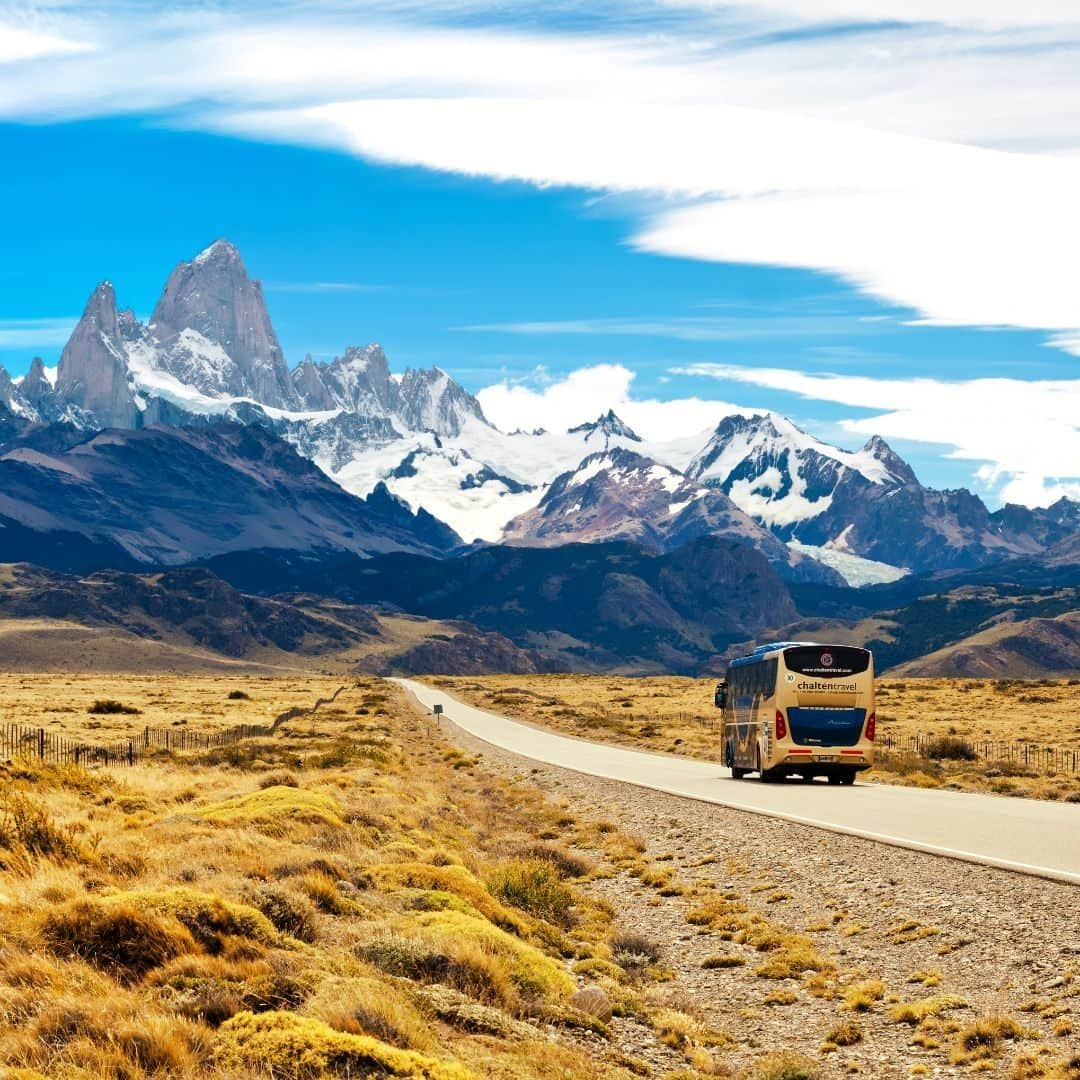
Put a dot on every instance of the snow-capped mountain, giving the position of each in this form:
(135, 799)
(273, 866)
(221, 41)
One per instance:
(867, 505)
(209, 353)
(618, 494)
(783, 476)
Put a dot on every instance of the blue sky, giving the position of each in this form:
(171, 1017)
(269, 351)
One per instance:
(511, 222)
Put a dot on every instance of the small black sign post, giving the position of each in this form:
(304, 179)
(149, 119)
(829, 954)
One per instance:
(438, 711)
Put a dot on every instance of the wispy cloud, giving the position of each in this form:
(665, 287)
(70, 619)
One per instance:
(30, 333)
(1025, 434)
(747, 327)
(751, 132)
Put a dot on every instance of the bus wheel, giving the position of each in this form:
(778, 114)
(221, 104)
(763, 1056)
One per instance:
(835, 778)
(848, 776)
(738, 774)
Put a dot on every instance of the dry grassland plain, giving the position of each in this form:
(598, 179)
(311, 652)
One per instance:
(676, 715)
(358, 897)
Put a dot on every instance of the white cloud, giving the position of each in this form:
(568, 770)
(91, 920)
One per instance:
(20, 43)
(961, 234)
(584, 394)
(1025, 434)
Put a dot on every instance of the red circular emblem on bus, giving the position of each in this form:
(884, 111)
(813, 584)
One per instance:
(826, 659)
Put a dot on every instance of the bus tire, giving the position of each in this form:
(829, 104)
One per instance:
(836, 778)
(738, 774)
(847, 776)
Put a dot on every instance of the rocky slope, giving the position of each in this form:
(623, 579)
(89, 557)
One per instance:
(166, 496)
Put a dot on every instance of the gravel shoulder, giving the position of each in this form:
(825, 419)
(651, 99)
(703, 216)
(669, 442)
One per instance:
(1006, 944)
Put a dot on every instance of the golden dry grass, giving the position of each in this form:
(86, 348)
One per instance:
(212, 914)
(61, 703)
(676, 715)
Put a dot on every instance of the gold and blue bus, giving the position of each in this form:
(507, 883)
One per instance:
(798, 708)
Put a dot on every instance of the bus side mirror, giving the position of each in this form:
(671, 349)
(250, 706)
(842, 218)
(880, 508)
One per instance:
(721, 696)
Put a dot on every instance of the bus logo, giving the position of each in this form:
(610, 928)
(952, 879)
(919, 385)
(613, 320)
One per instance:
(826, 659)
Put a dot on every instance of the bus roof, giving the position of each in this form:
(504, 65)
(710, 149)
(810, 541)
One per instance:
(776, 646)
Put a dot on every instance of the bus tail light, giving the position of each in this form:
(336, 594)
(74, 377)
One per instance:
(781, 725)
(871, 727)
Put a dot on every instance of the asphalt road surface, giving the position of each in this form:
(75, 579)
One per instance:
(1025, 835)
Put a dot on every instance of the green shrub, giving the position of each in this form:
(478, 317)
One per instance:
(535, 886)
(109, 707)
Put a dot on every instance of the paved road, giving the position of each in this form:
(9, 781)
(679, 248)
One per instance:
(1026, 835)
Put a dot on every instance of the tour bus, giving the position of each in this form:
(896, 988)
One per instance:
(799, 708)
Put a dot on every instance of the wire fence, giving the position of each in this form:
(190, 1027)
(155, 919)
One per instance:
(20, 742)
(1028, 755)
(48, 748)
(1034, 757)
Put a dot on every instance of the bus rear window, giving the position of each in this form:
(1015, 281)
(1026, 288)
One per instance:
(826, 661)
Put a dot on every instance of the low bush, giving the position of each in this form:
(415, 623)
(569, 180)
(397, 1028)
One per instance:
(950, 748)
(982, 1040)
(783, 1065)
(121, 938)
(364, 1006)
(279, 779)
(290, 912)
(210, 918)
(238, 695)
(569, 864)
(726, 960)
(633, 951)
(215, 988)
(28, 831)
(535, 886)
(845, 1033)
(291, 1047)
(913, 1012)
(860, 996)
(110, 707)
(275, 810)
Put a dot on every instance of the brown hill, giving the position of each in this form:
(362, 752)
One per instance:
(190, 621)
(1028, 648)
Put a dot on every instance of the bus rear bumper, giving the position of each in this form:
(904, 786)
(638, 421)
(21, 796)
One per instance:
(823, 763)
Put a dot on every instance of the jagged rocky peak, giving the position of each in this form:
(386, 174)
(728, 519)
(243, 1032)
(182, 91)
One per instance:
(93, 373)
(36, 386)
(215, 331)
(881, 451)
(358, 381)
(310, 386)
(429, 400)
(607, 426)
